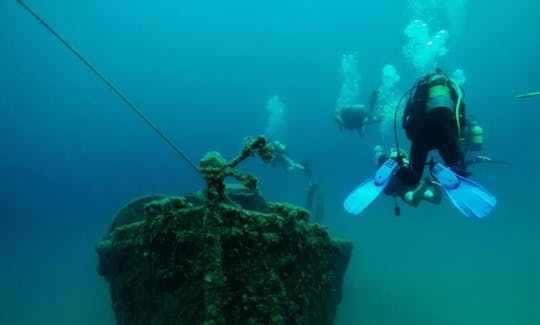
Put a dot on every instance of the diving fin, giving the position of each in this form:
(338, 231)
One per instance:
(370, 189)
(469, 197)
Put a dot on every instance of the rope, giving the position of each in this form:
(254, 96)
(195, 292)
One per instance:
(111, 86)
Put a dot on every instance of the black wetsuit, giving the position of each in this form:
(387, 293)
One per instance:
(431, 129)
(353, 119)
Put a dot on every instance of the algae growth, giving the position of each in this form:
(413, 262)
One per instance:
(179, 260)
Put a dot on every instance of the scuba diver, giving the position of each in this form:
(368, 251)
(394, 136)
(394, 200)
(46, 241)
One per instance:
(281, 159)
(473, 141)
(429, 190)
(433, 116)
(433, 119)
(357, 117)
(315, 196)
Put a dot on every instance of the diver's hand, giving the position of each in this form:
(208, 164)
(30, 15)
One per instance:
(339, 121)
(483, 158)
(479, 159)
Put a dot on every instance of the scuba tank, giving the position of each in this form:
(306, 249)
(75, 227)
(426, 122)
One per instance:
(476, 136)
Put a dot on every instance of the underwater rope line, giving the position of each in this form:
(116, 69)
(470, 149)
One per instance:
(111, 86)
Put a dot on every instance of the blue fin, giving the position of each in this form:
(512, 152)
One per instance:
(370, 189)
(470, 198)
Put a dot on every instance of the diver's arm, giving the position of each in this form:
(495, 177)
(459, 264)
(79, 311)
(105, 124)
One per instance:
(291, 164)
(483, 159)
(356, 106)
(339, 121)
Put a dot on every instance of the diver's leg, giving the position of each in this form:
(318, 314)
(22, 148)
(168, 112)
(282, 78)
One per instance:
(419, 153)
(451, 153)
(433, 193)
(413, 196)
(412, 175)
(443, 136)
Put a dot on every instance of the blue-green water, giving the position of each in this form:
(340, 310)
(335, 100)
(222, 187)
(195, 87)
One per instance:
(71, 153)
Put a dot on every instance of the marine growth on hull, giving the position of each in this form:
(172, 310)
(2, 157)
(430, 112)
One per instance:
(225, 256)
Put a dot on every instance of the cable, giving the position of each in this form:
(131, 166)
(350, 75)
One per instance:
(111, 86)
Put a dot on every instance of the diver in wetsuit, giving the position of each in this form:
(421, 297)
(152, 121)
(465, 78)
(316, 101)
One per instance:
(433, 117)
(282, 159)
(356, 117)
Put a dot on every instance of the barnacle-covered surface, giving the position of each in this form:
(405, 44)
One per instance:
(181, 261)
